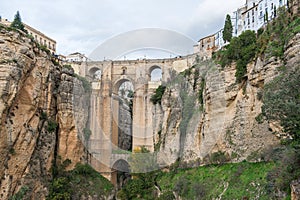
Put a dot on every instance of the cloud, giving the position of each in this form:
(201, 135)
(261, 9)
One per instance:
(83, 25)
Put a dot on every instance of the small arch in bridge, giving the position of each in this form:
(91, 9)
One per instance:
(155, 73)
(95, 73)
(121, 173)
(121, 165)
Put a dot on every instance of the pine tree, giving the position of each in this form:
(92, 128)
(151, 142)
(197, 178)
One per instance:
(17, 23)
(227, 32)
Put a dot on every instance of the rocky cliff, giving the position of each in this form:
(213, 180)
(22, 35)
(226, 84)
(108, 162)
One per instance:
(37, 115)
(206, 114)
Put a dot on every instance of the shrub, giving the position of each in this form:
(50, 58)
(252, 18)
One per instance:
(43, 116)
(200, 96)
(85, 83)
(282, 102)
(182, 186)
(52, 125)
(20, 194)
(68, 67)
(159, 92)
(218, 157)
(241, 50)
(259, 118)
(167, 196)
(44, 48)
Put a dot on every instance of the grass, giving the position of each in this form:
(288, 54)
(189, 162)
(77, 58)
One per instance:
(242, 180)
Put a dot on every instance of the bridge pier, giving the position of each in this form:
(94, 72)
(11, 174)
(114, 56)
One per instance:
(104, 114)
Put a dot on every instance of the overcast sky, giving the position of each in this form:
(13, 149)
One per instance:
(83, 25)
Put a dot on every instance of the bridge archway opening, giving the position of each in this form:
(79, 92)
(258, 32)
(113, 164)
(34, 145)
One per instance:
(121, 173)
(122, 115)
(155, 73)
(95, 73)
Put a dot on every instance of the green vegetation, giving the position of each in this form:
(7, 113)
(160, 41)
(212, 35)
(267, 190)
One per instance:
(227, 31)
(87, 133)
(143, 184)
(44, 48)
(12, 151)
(68, 67)
(188, 108)
(78, 183)
(85, 83)
(269, 42)
(20, 194)
(286, 170)
(236, 181)
(281, 100)
(159, 92)
(17, 23)
(219, 157)
(120, 151)
(272, 41)
(52, 126)
(201, 90)
(43, 116)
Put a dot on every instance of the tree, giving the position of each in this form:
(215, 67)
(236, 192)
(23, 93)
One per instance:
(17, 23)
(227, 32)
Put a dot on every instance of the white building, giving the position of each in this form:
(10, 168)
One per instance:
(219, 41)
(76, 57)
(255, 14)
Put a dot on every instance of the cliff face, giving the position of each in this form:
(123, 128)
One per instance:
(228, 121)
(35, 94)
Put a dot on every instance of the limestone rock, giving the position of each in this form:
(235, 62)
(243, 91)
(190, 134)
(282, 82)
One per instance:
(33, 93)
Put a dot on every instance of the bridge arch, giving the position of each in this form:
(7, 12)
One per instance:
(120, 81)
(155, 73)
(95, 73)
(121, 172)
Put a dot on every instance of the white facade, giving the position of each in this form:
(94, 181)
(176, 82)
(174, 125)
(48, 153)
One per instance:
(76, 57)
(255, 14)
(219, 42)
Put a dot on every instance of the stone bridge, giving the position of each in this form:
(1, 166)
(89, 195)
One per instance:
(110, 116)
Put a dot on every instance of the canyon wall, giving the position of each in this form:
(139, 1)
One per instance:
(39, 107)
(204, 112)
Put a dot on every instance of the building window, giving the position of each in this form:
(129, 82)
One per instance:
(272, 5)
(253, 19)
